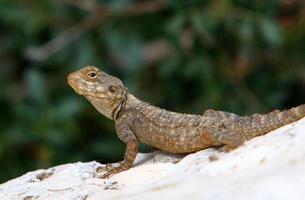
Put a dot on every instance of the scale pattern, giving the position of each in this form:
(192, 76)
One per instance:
(139, 122)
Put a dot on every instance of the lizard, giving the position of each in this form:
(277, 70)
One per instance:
(139, 122)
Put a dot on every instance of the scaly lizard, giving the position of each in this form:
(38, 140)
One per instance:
(139, 122)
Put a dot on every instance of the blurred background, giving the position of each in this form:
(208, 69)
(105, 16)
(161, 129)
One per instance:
(241, 56)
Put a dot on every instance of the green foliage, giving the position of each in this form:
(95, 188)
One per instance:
(240, 56)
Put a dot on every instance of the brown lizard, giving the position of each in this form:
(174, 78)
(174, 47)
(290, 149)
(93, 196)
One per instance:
(137, 121)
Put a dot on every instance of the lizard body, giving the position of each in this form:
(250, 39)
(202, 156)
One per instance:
(139, 122)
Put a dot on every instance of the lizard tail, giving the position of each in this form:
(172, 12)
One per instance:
(259, 124)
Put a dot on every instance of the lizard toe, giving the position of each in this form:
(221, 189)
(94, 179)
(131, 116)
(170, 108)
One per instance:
(106, 175)
(107, 167)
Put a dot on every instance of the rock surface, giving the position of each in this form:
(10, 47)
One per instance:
(268, 167)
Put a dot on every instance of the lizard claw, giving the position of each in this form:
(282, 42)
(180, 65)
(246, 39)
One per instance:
(107, 167)
(106, 175)
(110, 170)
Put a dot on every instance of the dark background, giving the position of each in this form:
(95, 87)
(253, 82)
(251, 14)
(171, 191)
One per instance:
(234, 55)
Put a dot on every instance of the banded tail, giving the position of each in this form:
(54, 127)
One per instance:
(259, 124)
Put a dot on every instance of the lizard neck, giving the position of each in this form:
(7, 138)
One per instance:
(110, 111)
(106, 111)
(132, 101)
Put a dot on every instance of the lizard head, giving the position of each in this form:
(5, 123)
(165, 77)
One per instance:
(107, 93)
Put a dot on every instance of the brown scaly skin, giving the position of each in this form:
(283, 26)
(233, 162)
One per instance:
(137, 121)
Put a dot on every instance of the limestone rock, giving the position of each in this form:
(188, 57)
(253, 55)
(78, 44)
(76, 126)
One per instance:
(268, 167)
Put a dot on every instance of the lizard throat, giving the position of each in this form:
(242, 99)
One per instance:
(110, 112)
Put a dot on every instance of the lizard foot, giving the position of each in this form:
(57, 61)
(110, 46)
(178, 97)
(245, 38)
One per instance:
(109, 169)
(108, 173)
(227, 148)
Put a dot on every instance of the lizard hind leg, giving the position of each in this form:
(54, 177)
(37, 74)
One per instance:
(228, 140)
(222, 129)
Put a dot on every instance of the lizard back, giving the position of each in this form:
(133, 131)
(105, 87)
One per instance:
(169, 131)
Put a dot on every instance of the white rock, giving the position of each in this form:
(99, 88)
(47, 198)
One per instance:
(268, 167)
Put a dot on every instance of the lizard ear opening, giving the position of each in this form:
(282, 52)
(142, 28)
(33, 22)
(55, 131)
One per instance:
(113, 88)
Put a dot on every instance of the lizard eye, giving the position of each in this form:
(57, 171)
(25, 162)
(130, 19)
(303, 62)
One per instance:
(92, 74)
(112, 88)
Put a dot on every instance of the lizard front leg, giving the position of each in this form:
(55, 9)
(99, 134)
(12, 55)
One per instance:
(128, 137)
